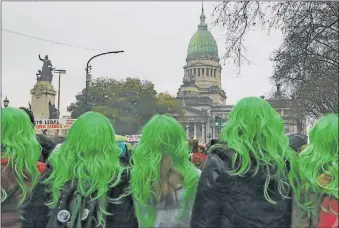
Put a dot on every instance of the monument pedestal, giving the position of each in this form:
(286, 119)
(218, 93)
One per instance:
(43, 93)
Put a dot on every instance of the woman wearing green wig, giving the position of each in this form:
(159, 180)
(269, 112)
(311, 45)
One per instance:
(318, 172)
(245, 182)
(163, 180)
(87, 182)
(20, 152)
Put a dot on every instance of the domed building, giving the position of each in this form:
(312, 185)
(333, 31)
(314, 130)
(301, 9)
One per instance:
(201, 91)
(202, 95)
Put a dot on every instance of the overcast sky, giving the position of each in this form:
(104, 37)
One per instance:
(154, 36)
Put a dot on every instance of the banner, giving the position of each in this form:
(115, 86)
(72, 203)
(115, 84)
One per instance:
(133, 138)
(54, 124)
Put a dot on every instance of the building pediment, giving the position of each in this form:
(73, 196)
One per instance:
(189, 111)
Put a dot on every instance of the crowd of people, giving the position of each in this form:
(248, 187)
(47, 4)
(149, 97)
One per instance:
(253, 176)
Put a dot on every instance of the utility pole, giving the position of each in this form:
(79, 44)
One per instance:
(59, 71)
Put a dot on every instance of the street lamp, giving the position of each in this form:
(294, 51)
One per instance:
(59, 72)
(6, 102)
(88, 75)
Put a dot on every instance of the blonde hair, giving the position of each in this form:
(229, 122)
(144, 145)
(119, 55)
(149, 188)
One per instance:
(170, 181)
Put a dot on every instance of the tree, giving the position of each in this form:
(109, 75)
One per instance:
(307, 61)
(128, 103)
(169, 105)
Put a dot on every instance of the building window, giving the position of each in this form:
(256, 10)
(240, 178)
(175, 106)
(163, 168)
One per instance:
(190, 72)
(215, 72)
(195, 71)
(211, 72)
(202, 72)
(207, 72)
(198, 72)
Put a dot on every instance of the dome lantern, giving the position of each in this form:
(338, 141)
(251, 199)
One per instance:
(202, 43)
(202, 19)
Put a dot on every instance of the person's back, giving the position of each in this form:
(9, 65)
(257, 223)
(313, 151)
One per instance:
(163, 180)
(168, 214)
(86, 185)
(316, 195)
(19, 173)
(242, 203)
(9, 206)
(169, 209)
(245, 181)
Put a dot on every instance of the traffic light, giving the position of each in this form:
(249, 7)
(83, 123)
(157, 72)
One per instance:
(219, 122)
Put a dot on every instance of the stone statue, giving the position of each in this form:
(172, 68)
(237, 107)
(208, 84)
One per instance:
(189, 79)
(53, 111)
(47, 69)
(38, 75)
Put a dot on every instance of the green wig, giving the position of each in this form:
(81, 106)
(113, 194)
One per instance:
(255, 131)
(162, 135)
(320, 157)
(21, 148)
(89, 157)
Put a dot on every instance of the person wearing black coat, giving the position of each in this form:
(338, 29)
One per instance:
(37, 214)
(225, 201)
(245, 181)
(85, 180)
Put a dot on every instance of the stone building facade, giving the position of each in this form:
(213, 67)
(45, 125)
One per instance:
(202, 95)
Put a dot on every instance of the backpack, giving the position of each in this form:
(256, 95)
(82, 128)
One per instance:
(73, 210)
(328, 217)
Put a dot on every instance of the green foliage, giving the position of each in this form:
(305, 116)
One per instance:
(169, 105)
(129, 103)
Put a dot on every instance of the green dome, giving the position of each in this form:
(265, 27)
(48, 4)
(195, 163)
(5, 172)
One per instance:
(202, 43)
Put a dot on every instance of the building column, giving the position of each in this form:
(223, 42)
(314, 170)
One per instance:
(195, 130)
(208, 130)
(203, 132)
(187, 131)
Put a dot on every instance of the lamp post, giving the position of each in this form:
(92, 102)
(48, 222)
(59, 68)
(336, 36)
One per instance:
(88, 75)
(205, 123)
(59, 71)
(6, 102)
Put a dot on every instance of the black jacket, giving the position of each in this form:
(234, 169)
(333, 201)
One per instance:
(225, 201)
(47, 146)
(37, 214)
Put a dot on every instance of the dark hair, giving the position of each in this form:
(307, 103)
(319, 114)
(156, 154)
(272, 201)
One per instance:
(30, 114)
(297, 141)
(195, 144)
